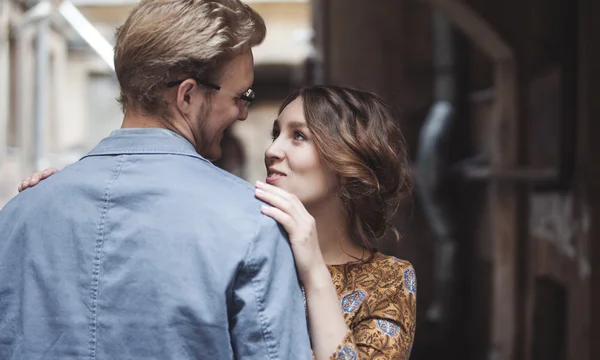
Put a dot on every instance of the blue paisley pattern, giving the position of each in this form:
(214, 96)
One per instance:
(410, 280)
(387, 327)
(352, 301)
(347, 353)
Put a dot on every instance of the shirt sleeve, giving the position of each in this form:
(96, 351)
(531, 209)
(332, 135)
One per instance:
(386, 329)
(267, 316)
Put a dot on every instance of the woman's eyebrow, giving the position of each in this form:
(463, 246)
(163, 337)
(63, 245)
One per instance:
(296, 124)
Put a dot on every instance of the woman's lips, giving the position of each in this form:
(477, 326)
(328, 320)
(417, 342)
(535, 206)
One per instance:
(274, 177)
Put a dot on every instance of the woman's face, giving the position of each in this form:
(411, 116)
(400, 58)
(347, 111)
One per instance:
(292, 161)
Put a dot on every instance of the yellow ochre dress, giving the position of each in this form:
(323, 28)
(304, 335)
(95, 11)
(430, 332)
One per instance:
(378, 299)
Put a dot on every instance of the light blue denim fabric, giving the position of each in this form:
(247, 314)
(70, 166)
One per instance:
(145, 250)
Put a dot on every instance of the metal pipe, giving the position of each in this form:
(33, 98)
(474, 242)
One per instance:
(5, 80)
(88, 32)
(40, 16)
(433, 170)
(42, 70)
(25, 36)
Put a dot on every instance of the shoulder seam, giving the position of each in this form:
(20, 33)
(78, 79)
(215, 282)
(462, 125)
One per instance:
(266, 331)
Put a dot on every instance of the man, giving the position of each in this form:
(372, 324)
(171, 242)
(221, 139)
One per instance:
(143, 249)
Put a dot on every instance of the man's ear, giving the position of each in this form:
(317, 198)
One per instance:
(187, 93)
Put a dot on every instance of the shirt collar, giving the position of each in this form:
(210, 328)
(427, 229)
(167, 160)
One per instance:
(144, 141)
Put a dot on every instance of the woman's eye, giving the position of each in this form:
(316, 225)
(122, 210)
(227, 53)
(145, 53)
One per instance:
(299, 136)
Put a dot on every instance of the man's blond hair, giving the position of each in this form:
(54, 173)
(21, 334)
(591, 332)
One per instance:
(164, 40)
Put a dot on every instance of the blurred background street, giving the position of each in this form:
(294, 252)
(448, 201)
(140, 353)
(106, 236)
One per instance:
(497, 101)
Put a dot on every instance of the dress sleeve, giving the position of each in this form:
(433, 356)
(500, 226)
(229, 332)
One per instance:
(386, 327)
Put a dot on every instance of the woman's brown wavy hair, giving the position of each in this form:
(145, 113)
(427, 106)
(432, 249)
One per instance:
(358, 136)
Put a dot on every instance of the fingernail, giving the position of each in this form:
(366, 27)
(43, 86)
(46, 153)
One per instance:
(259, 183)
(265, 207)
(259, 191)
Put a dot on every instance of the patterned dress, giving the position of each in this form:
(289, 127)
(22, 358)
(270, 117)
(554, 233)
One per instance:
(378, 299)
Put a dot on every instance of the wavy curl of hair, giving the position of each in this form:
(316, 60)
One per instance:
(162, 40)
(358, 136)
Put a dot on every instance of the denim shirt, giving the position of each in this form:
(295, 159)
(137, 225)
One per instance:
(145, 250)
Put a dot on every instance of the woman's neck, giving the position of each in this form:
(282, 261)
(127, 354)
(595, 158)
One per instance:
(332, 227)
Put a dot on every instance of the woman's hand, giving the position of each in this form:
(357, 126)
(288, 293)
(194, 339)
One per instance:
(34, 179)
(325, 318)
(287, 210)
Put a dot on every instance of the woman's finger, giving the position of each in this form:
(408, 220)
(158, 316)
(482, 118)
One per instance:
(47, 172)
(275, 190)
(275, 200)
(294, 204)
(281, 217)
(24, 184)
(35, 179)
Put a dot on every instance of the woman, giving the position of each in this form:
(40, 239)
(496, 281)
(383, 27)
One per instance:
(336, 172)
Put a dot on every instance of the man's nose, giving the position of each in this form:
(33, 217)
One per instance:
(243, 114)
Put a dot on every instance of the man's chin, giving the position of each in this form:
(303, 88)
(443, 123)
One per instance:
(213, 154)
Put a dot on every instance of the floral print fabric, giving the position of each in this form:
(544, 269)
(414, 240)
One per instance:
(378, 299)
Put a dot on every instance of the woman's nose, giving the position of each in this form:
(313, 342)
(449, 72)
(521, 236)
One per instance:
(274, 151)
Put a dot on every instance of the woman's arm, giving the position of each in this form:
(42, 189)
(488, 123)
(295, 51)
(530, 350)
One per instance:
(35, 178)
(325, 318)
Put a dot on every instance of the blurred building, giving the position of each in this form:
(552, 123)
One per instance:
(57, 95)
(497, 104)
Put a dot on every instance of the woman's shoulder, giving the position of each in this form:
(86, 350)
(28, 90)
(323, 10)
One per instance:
(392, 272)
(382, 274)
(385, 284)
(390, 264)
